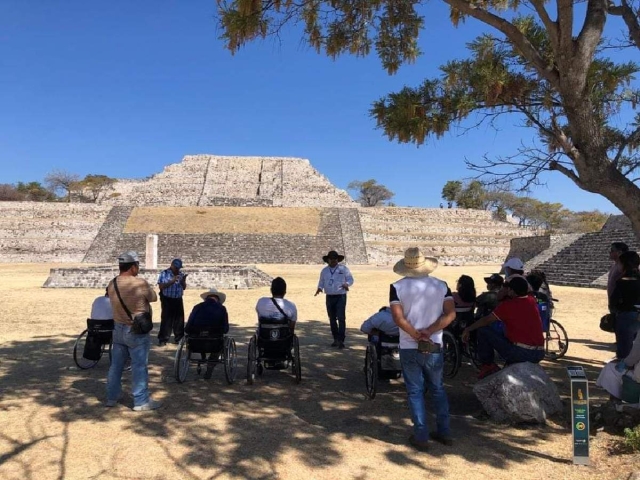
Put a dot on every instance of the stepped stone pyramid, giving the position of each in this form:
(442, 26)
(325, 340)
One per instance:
(212, 180)
(584, 261)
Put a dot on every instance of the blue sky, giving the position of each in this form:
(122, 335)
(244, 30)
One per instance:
(124, 88)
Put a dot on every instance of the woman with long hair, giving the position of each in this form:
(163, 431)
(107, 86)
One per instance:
(623, 301)
(465, 296)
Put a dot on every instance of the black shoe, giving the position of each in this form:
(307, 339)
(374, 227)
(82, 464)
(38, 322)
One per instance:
(443, 439)
(161, 343)
(340, 345)
(208, 373)
(335, 343)
(418, 445)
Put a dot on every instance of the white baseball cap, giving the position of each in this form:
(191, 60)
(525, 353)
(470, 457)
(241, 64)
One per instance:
(514, 264)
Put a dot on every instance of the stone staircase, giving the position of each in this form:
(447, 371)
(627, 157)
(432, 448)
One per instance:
(586, 260)
(355, 251)
(104, 248)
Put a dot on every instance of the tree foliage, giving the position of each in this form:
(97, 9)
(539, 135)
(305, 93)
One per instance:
(92, 186)
(547, 66)
(370, 192)
(9, 193)
(451, 190)
(35, 192)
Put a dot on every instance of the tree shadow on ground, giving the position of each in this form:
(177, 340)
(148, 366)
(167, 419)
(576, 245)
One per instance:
(273, 416)
(602, 346)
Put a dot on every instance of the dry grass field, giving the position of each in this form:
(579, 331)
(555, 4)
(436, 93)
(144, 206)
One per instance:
(253, 220)
(53, 424)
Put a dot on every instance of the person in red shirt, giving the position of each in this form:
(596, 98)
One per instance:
(522, 341)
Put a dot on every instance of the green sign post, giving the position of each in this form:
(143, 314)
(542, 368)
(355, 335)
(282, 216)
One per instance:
(579, 415)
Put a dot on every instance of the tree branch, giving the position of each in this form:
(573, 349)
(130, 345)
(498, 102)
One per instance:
(591, 32)
(521, 42)
(564, 10)
(628, 15)
(629, 139)
(567, 172)
(550, 25)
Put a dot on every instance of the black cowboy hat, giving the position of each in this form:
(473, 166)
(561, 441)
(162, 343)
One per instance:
(332, 254)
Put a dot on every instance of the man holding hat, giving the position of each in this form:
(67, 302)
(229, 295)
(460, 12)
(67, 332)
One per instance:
(335, 280)
(134, 293)
(422, 306)
(210, 315)
(172, 285)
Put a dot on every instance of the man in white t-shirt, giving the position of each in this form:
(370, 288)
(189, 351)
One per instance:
(101, 308)
(422, 306)
(276, 306)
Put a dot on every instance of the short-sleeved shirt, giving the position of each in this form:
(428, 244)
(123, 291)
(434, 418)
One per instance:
(332, 279)
(521, 320)
(266, 309)
(174, 290)
(136, 294)
(208, 315)
(382, 321)
(101, 309)
(422, 299)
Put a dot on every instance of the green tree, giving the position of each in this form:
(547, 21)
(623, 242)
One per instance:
(451, 190)
(93, 185)
(548, 67)
(35, 192)
(472, 195)
(370, 192)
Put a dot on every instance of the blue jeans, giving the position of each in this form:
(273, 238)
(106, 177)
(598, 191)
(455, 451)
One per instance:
(420, 370)
(336, 310)
(127, 344)
(489, 340)
(627, 326)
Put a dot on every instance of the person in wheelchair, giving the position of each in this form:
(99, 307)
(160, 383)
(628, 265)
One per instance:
(380, 322)
(101, 307)
(273, 311)
(209, 316)
(383, 332)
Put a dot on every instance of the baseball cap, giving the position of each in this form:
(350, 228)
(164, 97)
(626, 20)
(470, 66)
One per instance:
(129, 257)
(514, 264)
(494, 278)
(176, 262)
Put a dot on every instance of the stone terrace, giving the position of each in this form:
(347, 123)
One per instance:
(455, 236)
(48, 232)
(211, 180)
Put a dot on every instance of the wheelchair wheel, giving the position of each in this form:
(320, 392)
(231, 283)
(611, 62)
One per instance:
(556, 341)
(78, 350)
(230, 354)
(182, 360)
(451, 354)
(371, 371)
(471, 350)
(296, 367)
(251, 360)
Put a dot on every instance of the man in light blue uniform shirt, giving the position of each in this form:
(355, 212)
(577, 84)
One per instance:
(381, 321)
(335, 280)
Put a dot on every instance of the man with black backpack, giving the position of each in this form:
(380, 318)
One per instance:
(130, 296)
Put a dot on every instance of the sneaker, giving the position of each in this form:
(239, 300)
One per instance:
(150, 405)
(422, 446)
(340, 345)
(335, 343)
(487, 370)
(110, 403)
(443, 439)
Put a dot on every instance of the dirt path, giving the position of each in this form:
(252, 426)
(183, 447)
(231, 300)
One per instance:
(54, 425)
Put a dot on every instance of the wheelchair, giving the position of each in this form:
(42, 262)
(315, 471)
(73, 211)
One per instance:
(211, 349)
(381, 361)
(92, 343)
(556, 340)
(273, 347)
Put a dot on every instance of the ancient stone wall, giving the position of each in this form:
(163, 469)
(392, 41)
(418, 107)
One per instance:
(455, 236)
(211, 180)
(48, 232)
(617, 222)
(223, 277)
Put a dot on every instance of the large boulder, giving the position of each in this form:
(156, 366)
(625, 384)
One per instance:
(521, 392)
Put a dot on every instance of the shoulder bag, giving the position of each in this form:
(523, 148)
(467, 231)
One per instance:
(142, 323)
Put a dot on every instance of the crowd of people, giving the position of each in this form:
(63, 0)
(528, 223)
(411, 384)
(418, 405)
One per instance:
(507, 319)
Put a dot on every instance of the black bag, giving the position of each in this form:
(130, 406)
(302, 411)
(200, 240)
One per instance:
(143, 322)
(608, 323)
(92, 347)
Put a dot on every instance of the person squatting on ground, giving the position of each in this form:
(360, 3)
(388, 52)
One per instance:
(210, 315)
(335, 280)
(422, 306)
(611, 375)
(380, 322)
(523, 340)
(623, 301)
(172, 285)
(136, 294)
